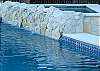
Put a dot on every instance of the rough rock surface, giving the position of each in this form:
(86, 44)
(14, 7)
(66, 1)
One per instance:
(50, 22)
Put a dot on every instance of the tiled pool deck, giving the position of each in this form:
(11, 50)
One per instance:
(82, 43)
(85, 37)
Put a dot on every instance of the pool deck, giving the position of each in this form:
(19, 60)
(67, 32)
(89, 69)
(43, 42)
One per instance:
(85, 37)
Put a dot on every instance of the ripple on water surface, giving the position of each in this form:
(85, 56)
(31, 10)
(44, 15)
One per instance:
(23, 51)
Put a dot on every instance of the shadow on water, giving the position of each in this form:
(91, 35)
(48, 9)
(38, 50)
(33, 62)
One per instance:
(23, 51)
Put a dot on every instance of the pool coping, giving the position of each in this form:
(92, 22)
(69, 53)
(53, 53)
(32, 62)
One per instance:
(81, 46)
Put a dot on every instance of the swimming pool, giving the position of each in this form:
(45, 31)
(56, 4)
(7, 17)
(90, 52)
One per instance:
(83, 9)
(23, 51)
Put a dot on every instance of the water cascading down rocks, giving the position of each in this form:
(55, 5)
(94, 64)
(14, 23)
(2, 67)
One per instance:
(50, 22)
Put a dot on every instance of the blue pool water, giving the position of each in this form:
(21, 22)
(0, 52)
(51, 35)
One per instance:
(20, 50)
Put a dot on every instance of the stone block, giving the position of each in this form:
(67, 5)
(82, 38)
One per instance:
(87, 19)
(95, 20)
(95, 29)
(87, 27)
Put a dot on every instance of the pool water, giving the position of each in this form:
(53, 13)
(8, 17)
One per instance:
(20, 50)
(83, 9)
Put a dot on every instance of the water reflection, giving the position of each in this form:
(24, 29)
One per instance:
(22, 51)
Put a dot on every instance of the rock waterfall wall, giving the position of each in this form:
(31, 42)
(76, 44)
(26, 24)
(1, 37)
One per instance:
(50, 22)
